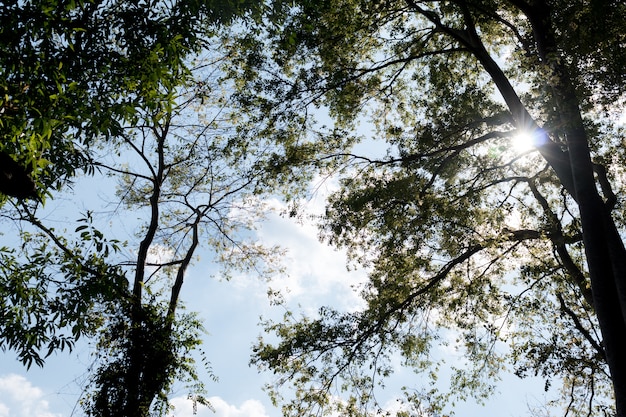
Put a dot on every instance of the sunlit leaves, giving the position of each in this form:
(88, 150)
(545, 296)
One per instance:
(452, 220)
(53, 292)
(75, 71)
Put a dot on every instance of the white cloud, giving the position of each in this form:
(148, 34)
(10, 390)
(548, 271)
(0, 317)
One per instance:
(19, 398)
(249, 408)
(315, 270)
(183, 407)
(159, 254)
(316, 274)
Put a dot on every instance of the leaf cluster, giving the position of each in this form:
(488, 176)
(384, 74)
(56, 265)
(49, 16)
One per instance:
(158, 344)
(55, 290)
(455, 224)
(74, 71)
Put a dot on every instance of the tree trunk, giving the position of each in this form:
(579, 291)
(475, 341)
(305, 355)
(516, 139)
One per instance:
(606, 260)
(604, 248)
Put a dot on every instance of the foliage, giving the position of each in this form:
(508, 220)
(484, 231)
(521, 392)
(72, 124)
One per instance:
(54, 290)
(164, 351)
(195, 183)
(73, 71)
(462, 232)
(107, 87)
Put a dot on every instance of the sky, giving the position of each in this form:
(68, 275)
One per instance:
(231, 312)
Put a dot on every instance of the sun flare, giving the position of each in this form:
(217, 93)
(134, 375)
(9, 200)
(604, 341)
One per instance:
(523, 141)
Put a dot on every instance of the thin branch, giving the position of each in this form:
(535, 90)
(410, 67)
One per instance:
(180, 275)
(559, 240)
(141, 154)
(153, 225)
(34, 221)
(123, 172)
(580, 327)
(605, 185)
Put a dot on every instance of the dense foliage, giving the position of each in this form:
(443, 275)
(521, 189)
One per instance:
(516, 251)
(73, 71)
(72, 74)
(116, 90)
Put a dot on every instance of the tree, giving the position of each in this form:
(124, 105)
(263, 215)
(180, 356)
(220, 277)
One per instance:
(195, 182)
(73, 75)
(461, 231)
(199, 183)
(84, 81)
(73, 71)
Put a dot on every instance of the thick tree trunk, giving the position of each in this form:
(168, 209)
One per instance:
(150, 358)
(606, 260)
(604, 248)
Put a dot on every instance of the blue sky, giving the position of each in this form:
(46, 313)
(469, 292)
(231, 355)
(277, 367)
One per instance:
(231, 310)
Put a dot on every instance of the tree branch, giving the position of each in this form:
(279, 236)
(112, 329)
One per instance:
(34, 221)
(558, 241)
(605, 185)
(551, 151)
(180, 274)
(580, 327)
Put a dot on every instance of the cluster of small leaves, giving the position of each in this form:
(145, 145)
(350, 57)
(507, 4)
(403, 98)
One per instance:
(453, 222)
(54, 291)
(157, 345)
(592, 35)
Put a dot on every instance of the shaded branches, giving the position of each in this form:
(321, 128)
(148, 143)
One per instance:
(448, 185)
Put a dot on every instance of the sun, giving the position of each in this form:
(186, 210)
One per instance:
(524, 141)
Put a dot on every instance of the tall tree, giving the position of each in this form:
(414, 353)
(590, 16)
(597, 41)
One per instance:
(74, 75)
(180, 163)
(460, 229)
(85, 85)
(199, 183)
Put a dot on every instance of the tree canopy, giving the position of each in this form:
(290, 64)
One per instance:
(130, 91)
(519, 252)
(194, 183)
(74, 71)
(74, 76)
